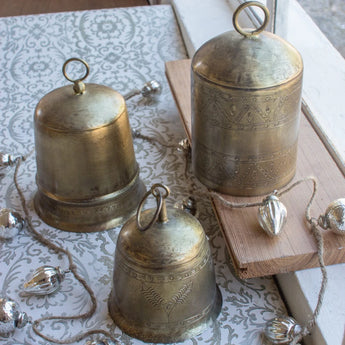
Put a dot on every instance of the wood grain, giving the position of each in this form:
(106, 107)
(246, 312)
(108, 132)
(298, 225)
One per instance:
(24, 7)
(253, 252)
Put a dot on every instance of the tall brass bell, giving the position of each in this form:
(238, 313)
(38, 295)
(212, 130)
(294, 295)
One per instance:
(164, 287)
(87, 174)
(246, 103)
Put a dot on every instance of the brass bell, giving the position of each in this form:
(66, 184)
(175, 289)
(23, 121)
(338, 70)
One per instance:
(87, 174)
(246, 98)
(164, 287)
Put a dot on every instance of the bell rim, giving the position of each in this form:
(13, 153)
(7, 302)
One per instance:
(109, 220)
(150, 336)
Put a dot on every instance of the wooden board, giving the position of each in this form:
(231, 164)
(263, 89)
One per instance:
(255, 254)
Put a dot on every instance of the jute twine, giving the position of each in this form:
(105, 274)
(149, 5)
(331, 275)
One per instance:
(71, 268)
(313, 223)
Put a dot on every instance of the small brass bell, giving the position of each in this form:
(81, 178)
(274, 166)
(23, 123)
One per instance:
(164, 287)
(87, 174)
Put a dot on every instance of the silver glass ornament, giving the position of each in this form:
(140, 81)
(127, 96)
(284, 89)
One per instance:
(183, 145)
(10, 316)
(151, 89)
(99, 342)
(272, 215)
(7, 160)
(282, 330)
(11, 222)
(44, 281)
(334, 217)
(189, 205)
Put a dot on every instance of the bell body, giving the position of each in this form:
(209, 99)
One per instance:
(164, 287)
(87, 175)
(246, 98)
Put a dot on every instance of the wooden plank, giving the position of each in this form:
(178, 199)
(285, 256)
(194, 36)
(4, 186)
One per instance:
(253, 252)
(22, 7)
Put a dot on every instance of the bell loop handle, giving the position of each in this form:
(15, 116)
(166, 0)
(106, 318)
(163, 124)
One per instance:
(160, 213)
(259, 29)
(79, 86)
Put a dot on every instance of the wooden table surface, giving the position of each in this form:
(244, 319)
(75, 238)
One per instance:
(24, 7)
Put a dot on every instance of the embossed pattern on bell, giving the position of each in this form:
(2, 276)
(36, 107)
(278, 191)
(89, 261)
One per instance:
(246, 96)
(272, 215)
(11, 223)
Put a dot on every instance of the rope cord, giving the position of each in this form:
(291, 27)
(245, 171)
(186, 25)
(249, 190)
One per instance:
(72, 268)
(313, 222)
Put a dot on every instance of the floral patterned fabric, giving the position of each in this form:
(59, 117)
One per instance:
(124, 48)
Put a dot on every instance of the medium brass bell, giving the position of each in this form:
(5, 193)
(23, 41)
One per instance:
(87, 174)
(246, 103)
(164, 287)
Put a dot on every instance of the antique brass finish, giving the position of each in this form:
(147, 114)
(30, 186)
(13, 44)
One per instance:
(246, 94)
(87, 175)
(164, 287)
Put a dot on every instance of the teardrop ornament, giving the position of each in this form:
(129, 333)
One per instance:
(10, 316)
(272, 215)
(282, 330)
(334, 217)
(44, 281)
(11, 222)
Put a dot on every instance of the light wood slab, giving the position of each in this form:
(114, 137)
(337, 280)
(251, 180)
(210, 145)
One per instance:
(253, 252)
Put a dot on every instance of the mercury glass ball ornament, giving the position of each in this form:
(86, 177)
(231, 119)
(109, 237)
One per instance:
(11, 222)
(183, 145)
(272, 215)
(282, 330)
(99, 342)
(334, 217)
(151, 89)
(189, 205)
(45, 280)
(7, 160)
(10, 316)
